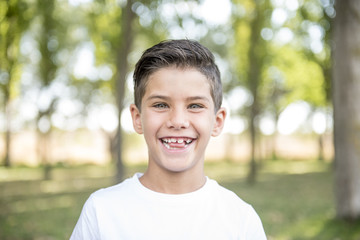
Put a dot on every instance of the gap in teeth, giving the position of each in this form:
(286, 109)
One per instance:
(173, 140)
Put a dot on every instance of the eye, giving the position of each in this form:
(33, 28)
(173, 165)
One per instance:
(160, 105)
(195, 106)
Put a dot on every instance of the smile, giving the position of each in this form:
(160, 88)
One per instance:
(176, 142)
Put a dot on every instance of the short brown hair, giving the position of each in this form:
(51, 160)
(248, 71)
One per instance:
(182, 53)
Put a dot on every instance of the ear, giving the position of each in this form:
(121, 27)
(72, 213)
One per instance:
(219, 122)
(136, 118)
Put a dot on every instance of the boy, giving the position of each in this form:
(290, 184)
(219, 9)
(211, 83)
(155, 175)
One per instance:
(177, 108)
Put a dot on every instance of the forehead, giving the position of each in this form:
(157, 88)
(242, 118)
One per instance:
(173, 80)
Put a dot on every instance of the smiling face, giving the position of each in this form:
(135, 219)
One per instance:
(177, 118)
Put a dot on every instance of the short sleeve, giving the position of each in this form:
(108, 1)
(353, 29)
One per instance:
(255, 229)
(87, 227)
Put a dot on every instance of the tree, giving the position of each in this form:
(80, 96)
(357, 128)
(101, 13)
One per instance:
(48, 46)
(249, 29)
(321, 20)
(122, 65)
(114, 44)
(346, 99)
(14, 18)
(52, 32)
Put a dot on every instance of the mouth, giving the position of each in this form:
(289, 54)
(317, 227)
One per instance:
(176, 143)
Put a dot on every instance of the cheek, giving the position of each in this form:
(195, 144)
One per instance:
(205, 125)
(151, 122)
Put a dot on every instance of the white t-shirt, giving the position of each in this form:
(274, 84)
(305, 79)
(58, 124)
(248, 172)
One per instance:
(131, 211)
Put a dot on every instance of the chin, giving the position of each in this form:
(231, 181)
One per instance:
(180, 166)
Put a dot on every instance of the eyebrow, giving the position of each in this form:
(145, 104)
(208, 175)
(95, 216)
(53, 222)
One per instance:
(192, 98)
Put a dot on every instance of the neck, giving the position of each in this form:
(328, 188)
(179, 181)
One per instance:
(173, 182)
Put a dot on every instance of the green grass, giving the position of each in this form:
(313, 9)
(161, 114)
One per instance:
(294, 199)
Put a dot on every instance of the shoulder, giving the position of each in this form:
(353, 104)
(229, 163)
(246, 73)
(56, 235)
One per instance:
(226, 195)
(242, 214)
(230, 202)
(115, 193)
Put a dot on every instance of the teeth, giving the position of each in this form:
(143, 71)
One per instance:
(173, 140)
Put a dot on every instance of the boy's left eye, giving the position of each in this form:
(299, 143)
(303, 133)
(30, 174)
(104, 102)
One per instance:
(195, 106)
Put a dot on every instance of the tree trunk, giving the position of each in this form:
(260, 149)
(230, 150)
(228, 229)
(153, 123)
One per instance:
(253, 140)
(274, 155)
(321, 147)
(256, 63)
(346, 100)
(127, 39)
(275, 135)
(8, 65)
(44, 153)
(47, 71)
(7, 158)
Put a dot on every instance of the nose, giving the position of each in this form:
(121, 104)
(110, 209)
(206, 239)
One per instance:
(177, 120)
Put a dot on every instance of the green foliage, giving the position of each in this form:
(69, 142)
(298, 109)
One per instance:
(302, 78)
(249, 48)
(101, 23)
(105, 29)
(302, 75)
(315, 14)
(14, 19)
(241, 47)
(49, 32)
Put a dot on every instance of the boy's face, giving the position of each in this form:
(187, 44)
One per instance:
(177, 119)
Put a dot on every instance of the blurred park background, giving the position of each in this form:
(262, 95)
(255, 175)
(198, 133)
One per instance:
(66, 85)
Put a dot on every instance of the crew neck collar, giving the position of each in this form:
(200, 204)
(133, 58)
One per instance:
(184, 198)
